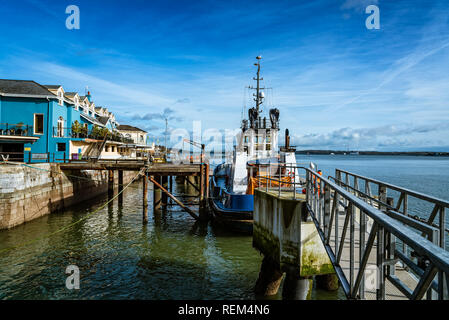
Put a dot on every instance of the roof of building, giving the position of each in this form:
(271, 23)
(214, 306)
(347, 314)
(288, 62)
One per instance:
(125, 127)
(23, 87)
(92, 120)
(71, 94)
(52, 86)
(103, 120)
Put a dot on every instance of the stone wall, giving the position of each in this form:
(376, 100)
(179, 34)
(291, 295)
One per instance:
(28, 193)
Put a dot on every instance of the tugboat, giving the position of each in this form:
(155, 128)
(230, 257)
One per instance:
(232, 184)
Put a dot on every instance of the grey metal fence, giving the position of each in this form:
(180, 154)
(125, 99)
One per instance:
(366, 230)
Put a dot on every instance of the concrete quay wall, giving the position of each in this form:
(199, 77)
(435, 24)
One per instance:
(281, 233)
(28, 193)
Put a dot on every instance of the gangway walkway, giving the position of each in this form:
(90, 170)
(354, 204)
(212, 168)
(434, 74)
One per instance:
(378, 249)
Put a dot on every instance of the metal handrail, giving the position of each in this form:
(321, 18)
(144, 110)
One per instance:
(385, 226)
(415, 194)
(17, 129)
(388, 206)
(439, 205)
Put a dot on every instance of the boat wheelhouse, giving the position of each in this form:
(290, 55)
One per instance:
(232, 184)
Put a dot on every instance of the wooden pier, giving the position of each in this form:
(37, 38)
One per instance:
(160, 175)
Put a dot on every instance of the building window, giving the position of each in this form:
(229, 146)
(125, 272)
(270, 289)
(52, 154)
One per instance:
(61, 147)
(112, 149)
(246, 139)
(60, 97)
(106, 149)
(38, 123)
(60, 127)
(268, 139)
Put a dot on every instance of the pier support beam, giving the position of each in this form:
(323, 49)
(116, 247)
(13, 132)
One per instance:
(204, 188)
(164, 195)
(145, 199)
(110, 182)
(157, 193)
(191, 185)
(270, 278)
(296, 287)
(327, 282)
(120, 187)
(189, 211)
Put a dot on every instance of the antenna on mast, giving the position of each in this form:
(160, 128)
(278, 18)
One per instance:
(258, 94)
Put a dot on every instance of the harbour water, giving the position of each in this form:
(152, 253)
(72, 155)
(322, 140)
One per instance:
(171, 257)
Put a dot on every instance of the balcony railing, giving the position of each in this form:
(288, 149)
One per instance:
(92, 134)
(19, 129)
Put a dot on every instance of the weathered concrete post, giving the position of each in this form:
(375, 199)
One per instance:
(282, 233)
(157, 194)
(296, 287)
(145, 199)
(270, 278)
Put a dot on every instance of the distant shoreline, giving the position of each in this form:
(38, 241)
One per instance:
(374, 153)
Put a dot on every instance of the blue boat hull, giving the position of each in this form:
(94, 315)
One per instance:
(230, 210)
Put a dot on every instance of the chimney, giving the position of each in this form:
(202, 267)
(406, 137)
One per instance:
(88, 96)
(287, 139)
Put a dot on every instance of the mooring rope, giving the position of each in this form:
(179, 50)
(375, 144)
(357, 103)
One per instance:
(74, 223)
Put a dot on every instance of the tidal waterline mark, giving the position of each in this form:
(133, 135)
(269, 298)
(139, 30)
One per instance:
(73, 20)
(73, 280)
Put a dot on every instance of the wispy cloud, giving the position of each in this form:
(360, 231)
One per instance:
(388, 136)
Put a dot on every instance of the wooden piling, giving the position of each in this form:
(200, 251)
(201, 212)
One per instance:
(164, 195)
(110, 182)
(157, 193)
(188, 210)
(145, 199)
(204, 179)
(120, 186)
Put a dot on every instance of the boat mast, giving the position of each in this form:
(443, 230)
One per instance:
(258, 98)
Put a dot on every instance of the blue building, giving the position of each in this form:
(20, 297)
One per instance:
(43, 123)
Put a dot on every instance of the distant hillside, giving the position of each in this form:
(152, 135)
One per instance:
(379, 153)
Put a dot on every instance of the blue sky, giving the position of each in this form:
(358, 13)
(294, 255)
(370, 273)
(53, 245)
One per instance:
(337, 84)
